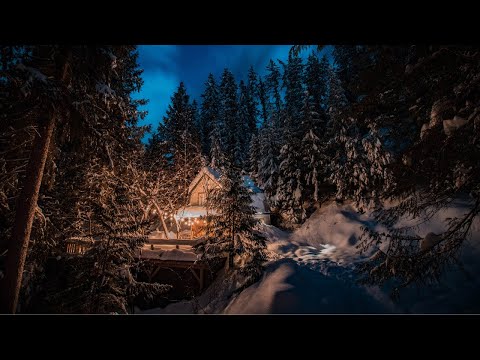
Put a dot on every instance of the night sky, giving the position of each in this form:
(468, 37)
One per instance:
(166, 65)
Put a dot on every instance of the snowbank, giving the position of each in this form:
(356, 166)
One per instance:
(312, 270)
(287, 288)
(172, 255)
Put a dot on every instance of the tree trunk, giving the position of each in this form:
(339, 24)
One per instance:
(25, 212)
(160, 217)
(28, 197)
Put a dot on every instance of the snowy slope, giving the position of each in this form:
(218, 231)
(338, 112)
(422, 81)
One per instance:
(288, 288)
(312, 270)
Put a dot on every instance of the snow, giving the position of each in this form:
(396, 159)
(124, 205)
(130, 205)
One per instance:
(312, 270)
(258, 202)
(161, 235)
(192, 212)
(288, 288)
(104, 89)
(429, 241)
(449, 126)
(213, 172)
(178, 255)
(184, 254)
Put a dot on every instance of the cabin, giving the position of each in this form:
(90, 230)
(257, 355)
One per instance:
(206, 181)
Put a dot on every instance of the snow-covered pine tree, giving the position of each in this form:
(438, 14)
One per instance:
(196, 119)
(182, 139)
(269, 150)
(270, 139)
(229, 113)
(94, 117)
(293, 84)
(216, 150)
(437, 85)
(254, 156)
(231, 230)
(263, 100)
(252, 100)
(110, 212)
(290, 191)
(209, 113)
(243, 131)
(272, 84)
(313, 150)
(348, 67)
(316, 81)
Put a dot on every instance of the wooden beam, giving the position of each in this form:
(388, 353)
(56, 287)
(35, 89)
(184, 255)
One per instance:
(177, 264)
(173, 241)
(195, 274)
(155, 272)
(201, 278)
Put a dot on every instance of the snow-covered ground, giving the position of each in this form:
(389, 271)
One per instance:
(312, 270)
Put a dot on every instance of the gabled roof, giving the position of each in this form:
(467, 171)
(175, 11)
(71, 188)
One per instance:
(214, 175)
(208, 171)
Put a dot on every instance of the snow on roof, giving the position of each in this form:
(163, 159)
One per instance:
(206, 170)
(171, 255)
(213, 172)
(178, 255)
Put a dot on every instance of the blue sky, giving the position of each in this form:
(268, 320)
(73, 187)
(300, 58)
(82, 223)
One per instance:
(166, 65)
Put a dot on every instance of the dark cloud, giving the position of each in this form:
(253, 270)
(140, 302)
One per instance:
(166, 65)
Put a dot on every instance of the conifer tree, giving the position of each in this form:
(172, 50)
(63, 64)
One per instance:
(181, 138)
(209, 113)
(229, 113)
(251, 100)
(231, 230)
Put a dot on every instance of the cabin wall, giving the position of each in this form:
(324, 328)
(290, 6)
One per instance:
(204, 186)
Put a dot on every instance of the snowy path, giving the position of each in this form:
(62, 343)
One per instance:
(312, 270)
(302, 278)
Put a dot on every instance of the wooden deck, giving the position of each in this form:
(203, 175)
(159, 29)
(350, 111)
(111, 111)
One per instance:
(151, 253)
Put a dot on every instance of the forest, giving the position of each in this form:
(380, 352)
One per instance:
(392, 132)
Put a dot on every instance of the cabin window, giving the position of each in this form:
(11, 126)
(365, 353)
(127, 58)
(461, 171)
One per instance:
(201, 199)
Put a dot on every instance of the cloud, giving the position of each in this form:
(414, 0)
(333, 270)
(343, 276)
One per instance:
(163, 57)
(166, 65)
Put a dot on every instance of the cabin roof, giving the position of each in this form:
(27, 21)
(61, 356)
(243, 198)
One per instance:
(208, 171)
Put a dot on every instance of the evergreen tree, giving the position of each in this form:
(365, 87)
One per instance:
(269, 150)
(313, 150)
(244, 132)
(181, 139)
(316, 81)
(290, 191)
(79, 116)
(270, 136)
(262, 97)
(337, 103)
(196, 119)
(216, 152)
(209, 113)
(231, 136)
(346, 59)
(231, 229)
(272, 83)
(251, 95)
(432, 166)
(293, 84)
